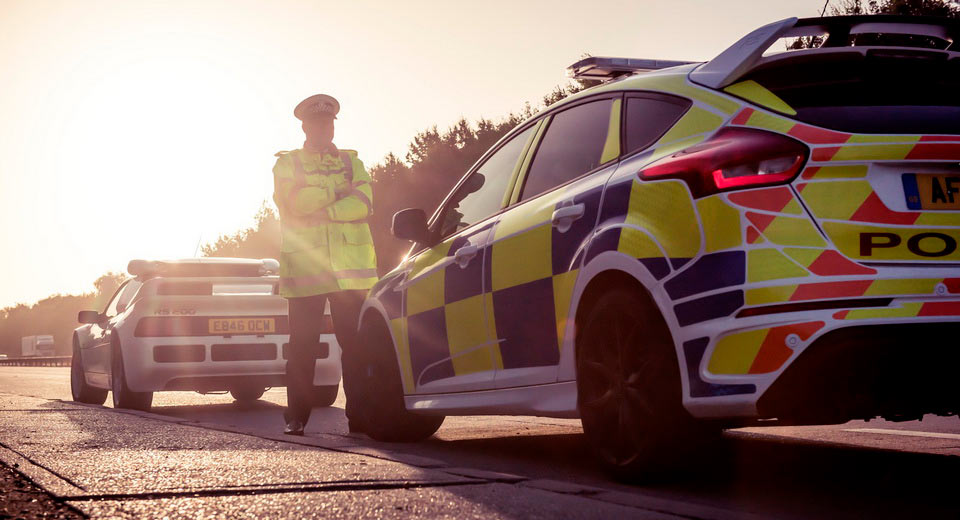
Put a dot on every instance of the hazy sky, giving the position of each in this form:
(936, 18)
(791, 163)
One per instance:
(136, 129)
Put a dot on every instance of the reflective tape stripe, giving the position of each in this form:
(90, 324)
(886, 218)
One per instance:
(307, 281)
(347, 169)
(299, 181)
(355, 273)
(317, 279)
(363, 198)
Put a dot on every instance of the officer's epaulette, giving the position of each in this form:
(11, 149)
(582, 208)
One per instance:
(282, 152)
(351, 152)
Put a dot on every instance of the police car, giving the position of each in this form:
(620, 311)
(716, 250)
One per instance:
(769, 237)
(200, 324)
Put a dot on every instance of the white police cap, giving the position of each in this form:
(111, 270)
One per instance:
(317, 105)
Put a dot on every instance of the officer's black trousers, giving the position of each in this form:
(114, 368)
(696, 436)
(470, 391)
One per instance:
(306, 318)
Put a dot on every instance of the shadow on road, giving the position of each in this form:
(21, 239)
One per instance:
(786, 478)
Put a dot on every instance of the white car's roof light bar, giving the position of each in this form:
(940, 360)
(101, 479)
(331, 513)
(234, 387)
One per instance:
(191, 267)
(748, 53)
(606, 68)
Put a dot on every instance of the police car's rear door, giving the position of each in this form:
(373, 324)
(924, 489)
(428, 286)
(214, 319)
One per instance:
(535, 256)
(446, 299)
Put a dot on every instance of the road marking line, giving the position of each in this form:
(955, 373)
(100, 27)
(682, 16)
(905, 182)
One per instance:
(905, 433)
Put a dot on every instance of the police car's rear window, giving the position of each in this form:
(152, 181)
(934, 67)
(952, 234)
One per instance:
(648, 117)
(894, 92)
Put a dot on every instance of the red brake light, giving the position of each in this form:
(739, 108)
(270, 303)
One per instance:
(733, 158)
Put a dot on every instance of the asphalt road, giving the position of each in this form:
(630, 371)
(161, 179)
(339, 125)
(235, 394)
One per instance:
(204, 455)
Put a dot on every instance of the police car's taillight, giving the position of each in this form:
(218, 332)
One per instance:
(733, 158)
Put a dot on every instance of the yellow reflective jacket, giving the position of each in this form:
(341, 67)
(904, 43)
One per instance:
(324, 200)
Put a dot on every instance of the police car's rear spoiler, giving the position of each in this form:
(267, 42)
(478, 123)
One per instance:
(748, 53)
(606, 68)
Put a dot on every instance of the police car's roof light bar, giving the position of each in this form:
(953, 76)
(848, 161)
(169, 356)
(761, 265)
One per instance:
(606, 68)
(748, 53)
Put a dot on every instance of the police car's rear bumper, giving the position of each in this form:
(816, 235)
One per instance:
(217, 363)
(899, 369)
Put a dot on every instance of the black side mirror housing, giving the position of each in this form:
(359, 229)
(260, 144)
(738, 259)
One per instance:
(88, 317)
(410, 224)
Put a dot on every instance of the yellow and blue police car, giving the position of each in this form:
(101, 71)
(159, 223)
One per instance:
(768, 237)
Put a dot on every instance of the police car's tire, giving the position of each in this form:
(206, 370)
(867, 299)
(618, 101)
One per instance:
(628, 386)
(123, 397)
(82, 392)
(247, 394)
(387, 418)
(325, 395)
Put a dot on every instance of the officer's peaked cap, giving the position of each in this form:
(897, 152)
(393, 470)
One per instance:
(317, 105)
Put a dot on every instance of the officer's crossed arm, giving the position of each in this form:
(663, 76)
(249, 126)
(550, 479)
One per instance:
(354, 202)
(295, 195)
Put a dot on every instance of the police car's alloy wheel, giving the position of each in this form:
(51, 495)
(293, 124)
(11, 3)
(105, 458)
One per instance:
(387, 418)
(123, 397)
(628, 385)
(82, 392)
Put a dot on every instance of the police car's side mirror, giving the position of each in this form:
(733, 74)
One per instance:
(88, 317)
(410, 224)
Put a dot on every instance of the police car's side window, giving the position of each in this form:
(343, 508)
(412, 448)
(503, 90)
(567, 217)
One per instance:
(572, 146)
(648, 118)
(481, 195)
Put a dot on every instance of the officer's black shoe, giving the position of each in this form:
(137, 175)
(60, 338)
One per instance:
(294, 428)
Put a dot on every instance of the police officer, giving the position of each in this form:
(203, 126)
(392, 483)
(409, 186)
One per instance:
(327, 255)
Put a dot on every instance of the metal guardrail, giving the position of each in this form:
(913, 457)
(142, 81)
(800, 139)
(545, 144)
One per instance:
(39, 361)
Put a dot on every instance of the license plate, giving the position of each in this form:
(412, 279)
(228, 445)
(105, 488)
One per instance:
(231, 326)
(932, 191)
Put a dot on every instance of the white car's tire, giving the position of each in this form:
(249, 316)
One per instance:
(325, 395)
(82, 392)
(123, 397)
(247, 394)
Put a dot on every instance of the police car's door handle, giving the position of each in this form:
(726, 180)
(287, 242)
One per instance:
(463, 255)
(564, 216)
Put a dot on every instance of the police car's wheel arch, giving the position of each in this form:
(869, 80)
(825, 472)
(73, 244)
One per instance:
(387, 418)
(81, 391)
(617, 296)
(123, 397)
(602, 283)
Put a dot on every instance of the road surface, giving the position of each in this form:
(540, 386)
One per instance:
(207, 456)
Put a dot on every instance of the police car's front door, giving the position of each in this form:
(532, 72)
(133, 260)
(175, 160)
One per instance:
(539, 240)
(446, 296)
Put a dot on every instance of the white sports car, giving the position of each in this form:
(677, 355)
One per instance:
(201, 324)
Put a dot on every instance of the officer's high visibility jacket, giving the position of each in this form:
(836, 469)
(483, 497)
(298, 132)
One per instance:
(324, 200)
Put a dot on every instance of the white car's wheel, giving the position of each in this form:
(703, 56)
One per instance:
(247, 394)
(123, 397)
(325, 395)
(82, 392)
